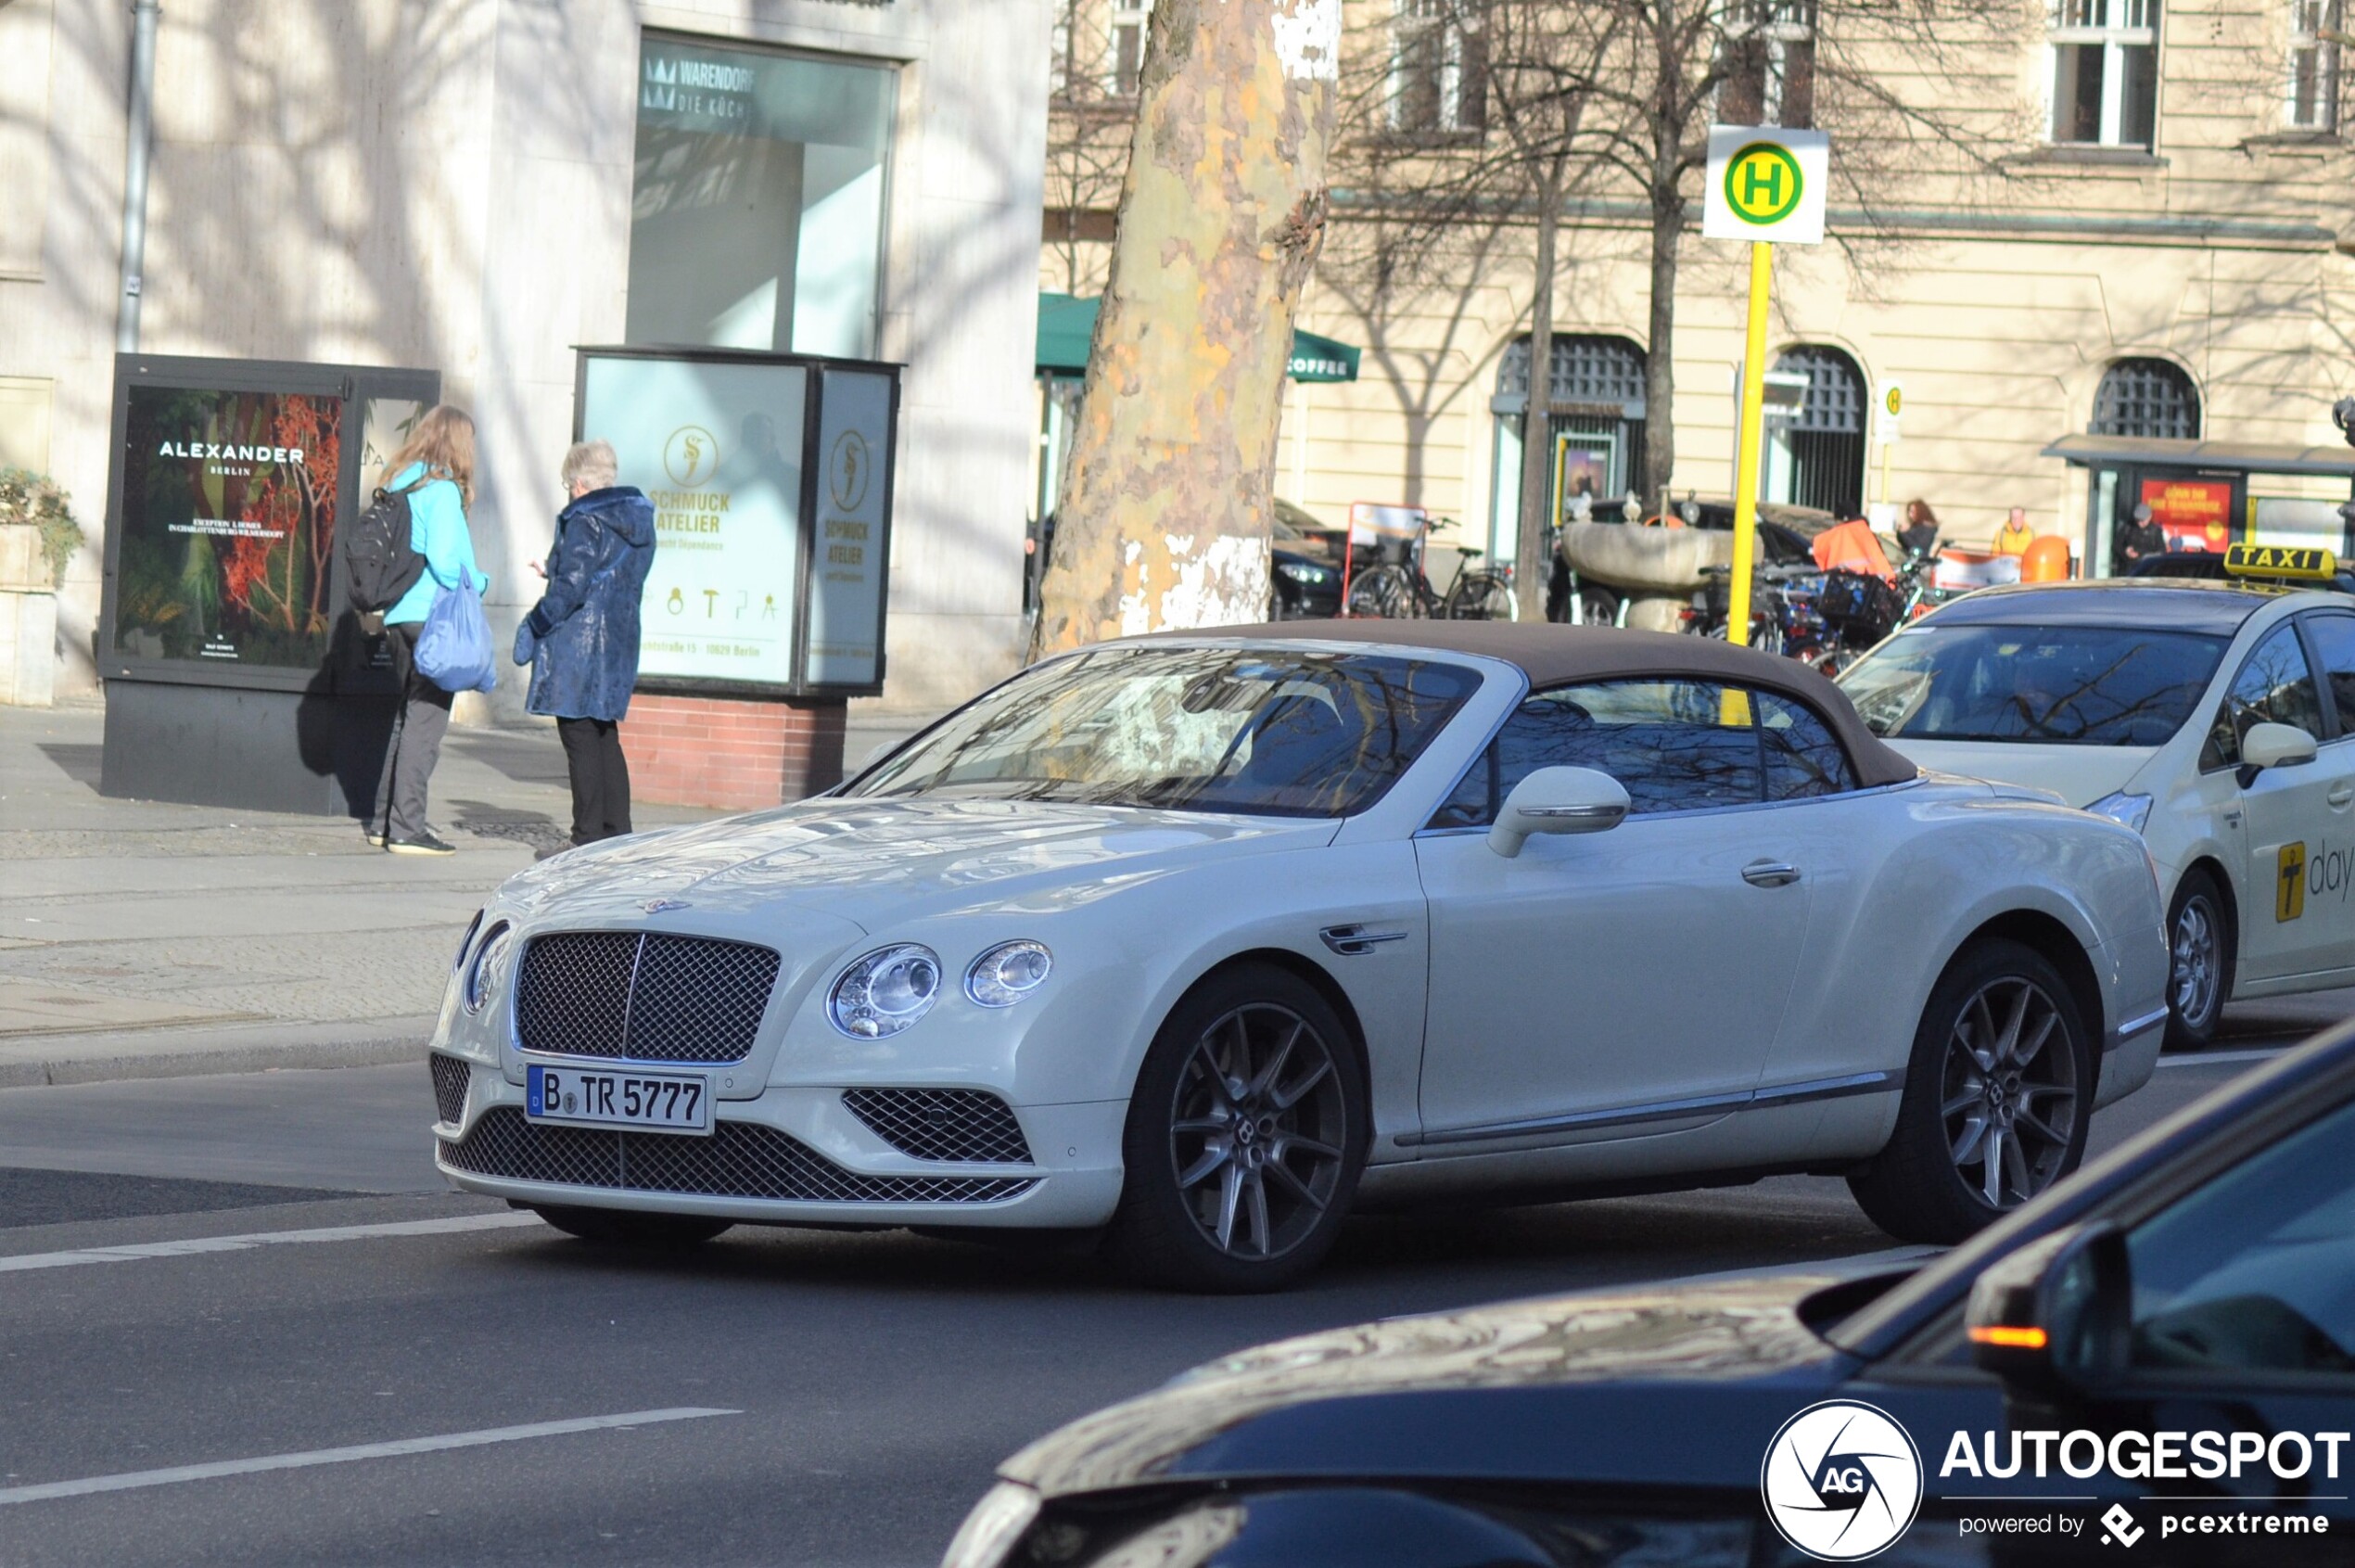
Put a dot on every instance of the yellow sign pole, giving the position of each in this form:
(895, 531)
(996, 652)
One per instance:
(1761, 255)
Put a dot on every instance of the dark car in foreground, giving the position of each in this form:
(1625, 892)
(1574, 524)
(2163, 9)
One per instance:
(2152, 1363)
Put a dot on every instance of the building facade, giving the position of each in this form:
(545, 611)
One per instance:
(479, 187)
(2153, 243)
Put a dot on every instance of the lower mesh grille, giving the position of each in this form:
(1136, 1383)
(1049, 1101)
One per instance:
(449, 1077)
(739, 1160)
(941, 1124)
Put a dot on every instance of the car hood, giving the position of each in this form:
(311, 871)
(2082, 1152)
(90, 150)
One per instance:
(874, 861)
(2078, 775)
(1574, 1387)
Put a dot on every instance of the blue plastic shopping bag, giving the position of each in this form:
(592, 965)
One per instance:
(454, 648)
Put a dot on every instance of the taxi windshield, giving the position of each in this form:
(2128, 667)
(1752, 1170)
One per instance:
(2067, 685)
(1261, 731)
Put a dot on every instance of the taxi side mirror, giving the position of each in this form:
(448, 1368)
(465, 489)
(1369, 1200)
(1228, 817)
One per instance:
(2056, 1317)
(2276, 745)
(1557, 800)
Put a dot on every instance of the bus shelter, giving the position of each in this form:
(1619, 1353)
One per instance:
(2212, 494)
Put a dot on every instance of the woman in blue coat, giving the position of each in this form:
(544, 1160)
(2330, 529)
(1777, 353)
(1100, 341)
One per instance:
(582, 638)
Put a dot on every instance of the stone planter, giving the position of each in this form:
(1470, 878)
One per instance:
(28, 621)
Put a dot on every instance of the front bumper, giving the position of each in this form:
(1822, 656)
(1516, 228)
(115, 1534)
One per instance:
(791, 1155)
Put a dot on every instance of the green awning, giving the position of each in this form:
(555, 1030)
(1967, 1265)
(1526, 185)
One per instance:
(1066, 323)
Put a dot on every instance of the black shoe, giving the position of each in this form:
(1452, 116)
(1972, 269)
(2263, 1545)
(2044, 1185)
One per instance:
(553, 850)
(424, 843)
(376, 838)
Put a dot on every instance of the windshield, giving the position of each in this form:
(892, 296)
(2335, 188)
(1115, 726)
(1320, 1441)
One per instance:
(1292, 734)
(2071, 686)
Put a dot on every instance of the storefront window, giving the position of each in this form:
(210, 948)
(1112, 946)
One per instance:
(756, 213)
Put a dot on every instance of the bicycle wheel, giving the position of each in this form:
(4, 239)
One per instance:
(1383, 594)
(1481, 596)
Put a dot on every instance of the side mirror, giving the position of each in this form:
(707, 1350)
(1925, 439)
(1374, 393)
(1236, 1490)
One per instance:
(1557, 800)
(2275, 745)
(2057, 1315)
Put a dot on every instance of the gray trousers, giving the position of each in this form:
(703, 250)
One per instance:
(416, 743)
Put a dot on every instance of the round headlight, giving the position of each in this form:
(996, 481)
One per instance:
(885, 991)
(1008, 973)
(465, 943)
(482, 975)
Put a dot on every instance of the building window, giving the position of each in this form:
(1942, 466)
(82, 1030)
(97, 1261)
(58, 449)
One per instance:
(1129, 19)
(1594, 422)
(1770, 64)
(2105, 72)
(2150, 399)
(2314, 65)
(756, 209)
(1436, 77)
(1816, 457)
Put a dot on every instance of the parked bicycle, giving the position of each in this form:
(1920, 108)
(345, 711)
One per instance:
(1396, 589)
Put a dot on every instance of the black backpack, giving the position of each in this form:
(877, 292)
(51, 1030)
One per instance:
(379, 560)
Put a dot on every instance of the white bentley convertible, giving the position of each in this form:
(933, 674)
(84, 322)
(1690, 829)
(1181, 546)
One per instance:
(1198, 942)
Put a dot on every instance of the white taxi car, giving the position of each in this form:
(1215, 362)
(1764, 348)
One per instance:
(1197, 942)
(2216, 718)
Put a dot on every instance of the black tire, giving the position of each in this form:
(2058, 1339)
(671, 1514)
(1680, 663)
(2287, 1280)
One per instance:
(630, 1228)
(1253, 1080)
(2021, 1129)
(2198, 982)
(1597, 605)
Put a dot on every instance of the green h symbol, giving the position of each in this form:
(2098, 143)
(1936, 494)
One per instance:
(1763, 176)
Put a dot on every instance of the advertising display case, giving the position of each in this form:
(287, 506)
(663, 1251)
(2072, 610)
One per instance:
(235, 672)
(771, 480)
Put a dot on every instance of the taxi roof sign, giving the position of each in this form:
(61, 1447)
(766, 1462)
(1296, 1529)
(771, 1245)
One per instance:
(1765, 182)
(2281, 561)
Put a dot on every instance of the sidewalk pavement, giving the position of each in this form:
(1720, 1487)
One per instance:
(139, 940)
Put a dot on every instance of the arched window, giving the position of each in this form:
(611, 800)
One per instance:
(1589, 368)
(2152, 399)
(1596, 420)
(1816, 457)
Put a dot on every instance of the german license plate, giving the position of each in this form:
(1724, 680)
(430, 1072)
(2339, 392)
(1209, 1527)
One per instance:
(659, 1101)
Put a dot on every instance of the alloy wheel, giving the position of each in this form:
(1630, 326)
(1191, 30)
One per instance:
(2010, 1098)
(2197, 956)
(1257, 1131)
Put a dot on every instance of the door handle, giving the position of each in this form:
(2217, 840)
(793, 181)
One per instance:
(2342, 795)
(1770, 873)
(2233, 817)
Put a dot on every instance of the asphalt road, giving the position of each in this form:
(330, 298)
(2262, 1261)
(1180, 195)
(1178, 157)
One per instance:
(784, 1398)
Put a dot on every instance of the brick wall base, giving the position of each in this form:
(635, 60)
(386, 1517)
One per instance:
(734, 754)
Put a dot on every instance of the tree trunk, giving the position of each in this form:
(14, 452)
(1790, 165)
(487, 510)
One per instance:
(1659, 356)
(1531, 566)
(1164, 519)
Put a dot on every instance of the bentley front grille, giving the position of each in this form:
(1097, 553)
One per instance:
(739, 1160)
(642, 994)
(449, 1077)
(942, 1124)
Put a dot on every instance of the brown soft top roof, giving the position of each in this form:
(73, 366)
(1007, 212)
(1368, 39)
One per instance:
(1555, 656)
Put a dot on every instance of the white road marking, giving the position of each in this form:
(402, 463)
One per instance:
(135, 1251)
(132, 1480)
(2224, 1058)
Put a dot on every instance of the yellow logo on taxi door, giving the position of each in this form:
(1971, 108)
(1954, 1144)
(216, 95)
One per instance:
(2289, 884)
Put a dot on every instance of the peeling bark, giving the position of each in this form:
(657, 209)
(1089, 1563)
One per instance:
(1166, 500)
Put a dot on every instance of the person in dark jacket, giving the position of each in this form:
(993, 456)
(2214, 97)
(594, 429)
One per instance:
(582, 638)
(2140, 538)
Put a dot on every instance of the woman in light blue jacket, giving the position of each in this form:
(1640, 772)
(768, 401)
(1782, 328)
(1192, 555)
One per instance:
(435, 467)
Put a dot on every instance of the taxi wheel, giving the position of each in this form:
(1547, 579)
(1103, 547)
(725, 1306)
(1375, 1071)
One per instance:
(1999, 1093)
(1245, 1137)
(629, 1228)
(2199, 961)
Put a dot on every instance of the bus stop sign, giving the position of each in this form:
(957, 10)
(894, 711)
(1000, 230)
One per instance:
(1765, 182)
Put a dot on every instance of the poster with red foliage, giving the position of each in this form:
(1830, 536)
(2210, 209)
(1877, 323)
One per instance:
(228, 527)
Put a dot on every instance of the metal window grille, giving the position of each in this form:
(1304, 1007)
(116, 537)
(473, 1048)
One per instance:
(2314, 65)
(1587, 368)
(738, 1160)
(2150, 399)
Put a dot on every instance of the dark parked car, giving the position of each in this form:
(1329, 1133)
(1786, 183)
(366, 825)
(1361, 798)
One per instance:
(2209, 565)
(2158, 1354)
